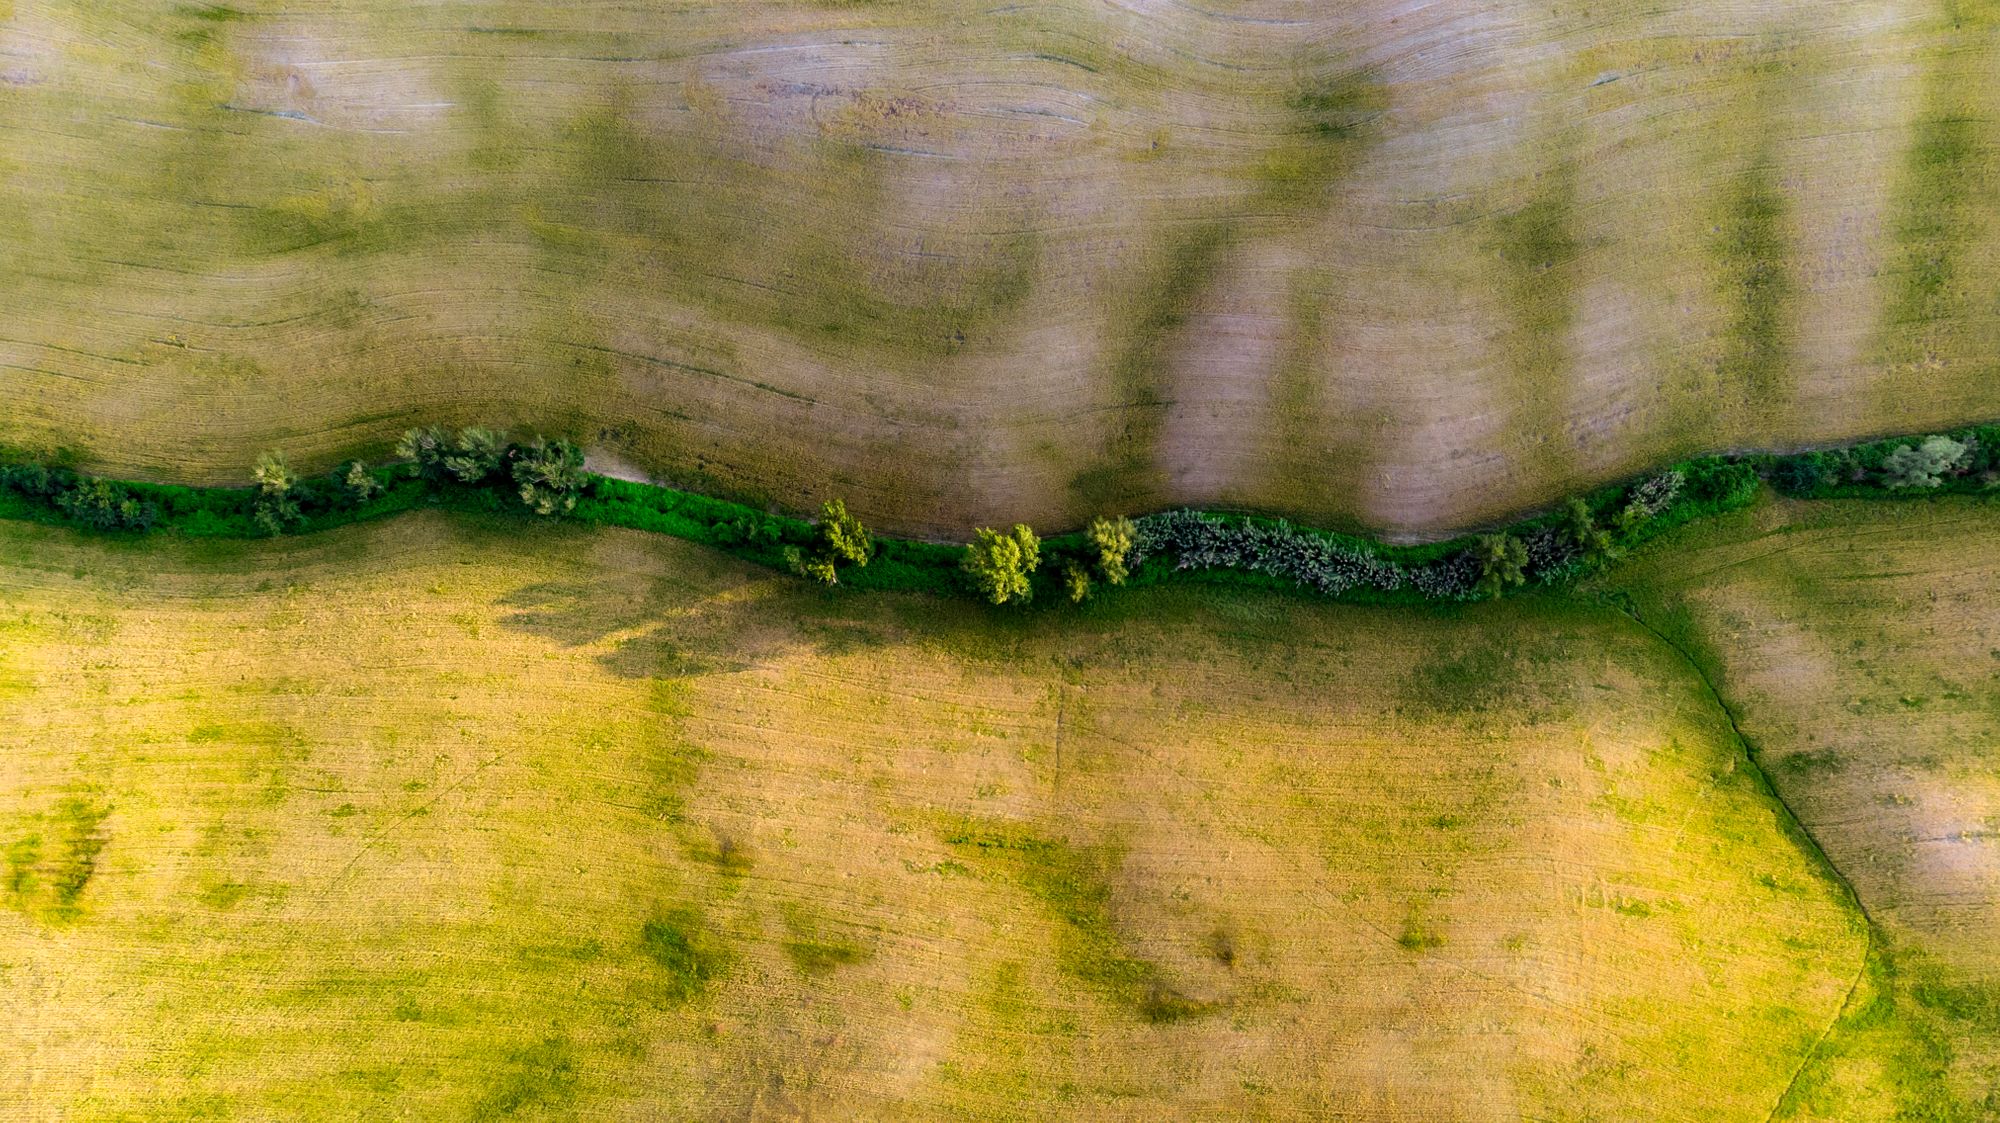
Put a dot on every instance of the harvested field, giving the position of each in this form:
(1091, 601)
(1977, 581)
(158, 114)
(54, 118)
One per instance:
(473, 821)
(1860, 647)
(1407, 265)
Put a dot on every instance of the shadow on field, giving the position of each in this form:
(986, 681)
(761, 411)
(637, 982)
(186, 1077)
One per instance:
(662, 627)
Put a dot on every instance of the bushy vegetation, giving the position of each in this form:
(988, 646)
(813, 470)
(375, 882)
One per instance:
(1923, 465)
(1503, 562)
(468, 456)
(1961, 461)
(549, 475)
(105, 505)
(477, 469)
(275, 507)
(1104, 554)
(1327, 563)
(838, 539)
(354, 484)
(1000, 564)
(546, 475)
(1592, 541)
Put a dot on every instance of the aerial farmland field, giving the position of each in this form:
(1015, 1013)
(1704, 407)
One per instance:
(1403, 266)
(1393, 560)
(417, 814)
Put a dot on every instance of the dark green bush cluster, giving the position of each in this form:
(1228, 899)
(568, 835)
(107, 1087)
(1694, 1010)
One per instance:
(1328, 563)
(279, 501)
(546, 476)
(1546, 550)
(87, 501)
(1960, 461)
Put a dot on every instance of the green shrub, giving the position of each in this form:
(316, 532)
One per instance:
(105, 505)
(1076, 580)
(549, 475)
(275, 507)
(838, 538)
(355, 484)
(1502, 560)
(33, 481)
(1650, 498)
(1808, 473)
(1000, 564)
(748, 530)
(1923, 465)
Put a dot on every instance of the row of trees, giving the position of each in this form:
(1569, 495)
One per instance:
(1923, 465)
(546, 476)
(999, 565)
(1014, 565)
(85, 500)
(1579, 537)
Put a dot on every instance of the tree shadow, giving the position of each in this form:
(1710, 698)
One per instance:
(671, 627)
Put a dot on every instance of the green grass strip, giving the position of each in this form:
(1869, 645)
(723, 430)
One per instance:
(42, 492)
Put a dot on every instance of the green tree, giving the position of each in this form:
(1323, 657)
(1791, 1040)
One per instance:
(549, 475)
(841, 535)
(275, 507)
(426, 449)
(1592, 541)
(838, 537)
(1502, 560)
(475, 454)
(1111, 541)
(356, 483)
(1923, 465)
(999, 564)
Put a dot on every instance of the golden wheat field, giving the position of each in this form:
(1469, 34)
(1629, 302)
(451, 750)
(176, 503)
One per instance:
(431, 819)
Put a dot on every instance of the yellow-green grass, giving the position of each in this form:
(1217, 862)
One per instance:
(453, 821)
(1860, 648)
(1410, 266)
